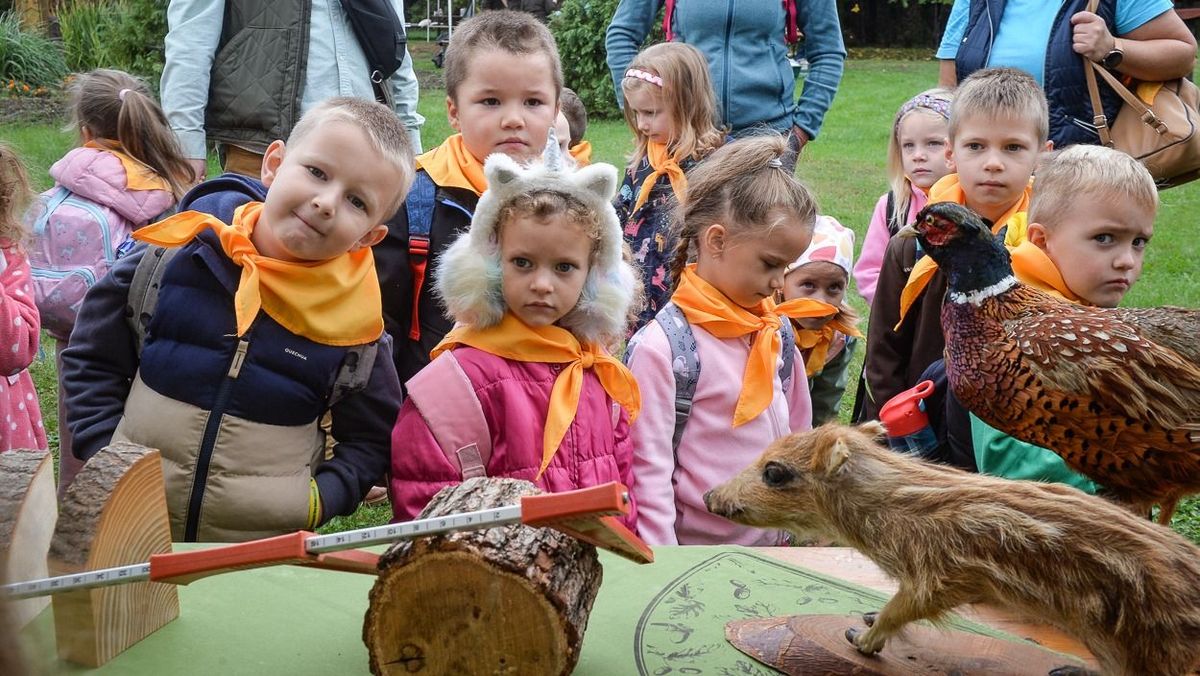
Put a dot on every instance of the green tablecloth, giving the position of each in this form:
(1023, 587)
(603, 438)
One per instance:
(663, 618)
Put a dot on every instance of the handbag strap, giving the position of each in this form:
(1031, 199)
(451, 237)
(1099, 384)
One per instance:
(1099, 119)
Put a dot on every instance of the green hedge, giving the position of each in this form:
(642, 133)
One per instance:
(125, 34)
(28, 58)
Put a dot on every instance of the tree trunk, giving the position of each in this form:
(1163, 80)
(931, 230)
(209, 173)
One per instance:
(114, 514)
(27, 516)
(506, 600)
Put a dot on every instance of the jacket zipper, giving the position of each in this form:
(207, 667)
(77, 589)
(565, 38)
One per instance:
(204, 457)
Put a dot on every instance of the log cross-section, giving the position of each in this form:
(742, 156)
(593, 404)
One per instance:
(28, 510)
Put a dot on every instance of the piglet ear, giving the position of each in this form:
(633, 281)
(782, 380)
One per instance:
(501, 170)
(600, 179)
(839, 453)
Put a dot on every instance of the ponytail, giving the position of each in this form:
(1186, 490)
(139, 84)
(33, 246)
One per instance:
(116, 106)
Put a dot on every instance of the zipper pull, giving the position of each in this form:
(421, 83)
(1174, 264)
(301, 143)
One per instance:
(238, 358)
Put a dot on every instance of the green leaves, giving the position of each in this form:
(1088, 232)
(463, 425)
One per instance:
(26, 57)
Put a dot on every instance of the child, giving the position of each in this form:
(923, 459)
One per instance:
(1091, 218)
(231, 395)
(998, 130)
(128, 171)
(575, 115)
(503, 79)
(537, 287)
(826, 343)
(670, 107)
(916, 159)
(18, 314)
(746, 218)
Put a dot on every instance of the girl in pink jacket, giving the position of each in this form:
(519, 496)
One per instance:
(523, 387)
(719, 371)
(19, 323)
(128, 171)
(916, 159)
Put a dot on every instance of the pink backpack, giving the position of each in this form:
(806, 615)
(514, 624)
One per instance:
(74, 244)
(461, 431)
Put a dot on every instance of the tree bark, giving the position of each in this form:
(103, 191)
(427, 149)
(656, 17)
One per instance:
(506, 600)
(28, 511)
(114, 514)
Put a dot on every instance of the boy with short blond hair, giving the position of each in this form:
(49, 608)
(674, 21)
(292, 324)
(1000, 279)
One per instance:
(250, 340)
(1090, 220)
(503, 79)
(998, 130)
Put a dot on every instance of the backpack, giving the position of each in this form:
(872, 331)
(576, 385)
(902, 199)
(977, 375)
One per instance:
(419, 206)
(461, 431)
(74, 245)
(353, 375)
(685, 362)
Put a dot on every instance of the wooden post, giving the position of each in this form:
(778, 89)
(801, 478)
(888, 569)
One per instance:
(114, 514)
(508, 600)
(28, 510)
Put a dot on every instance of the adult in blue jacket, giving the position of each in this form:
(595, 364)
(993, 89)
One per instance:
(1142, 39)
(744, 43)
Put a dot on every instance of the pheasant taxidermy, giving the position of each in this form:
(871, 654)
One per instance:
(1115, 392)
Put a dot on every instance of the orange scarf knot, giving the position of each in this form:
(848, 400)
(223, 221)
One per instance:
(451, 165)
(333, 302)
(705, 306)
(516, 340)
(663, 164)
(948, 189)
(818, 341)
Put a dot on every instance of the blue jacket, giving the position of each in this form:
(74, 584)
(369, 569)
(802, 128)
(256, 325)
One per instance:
(743, 42)
(236, 419)
(1066, 90)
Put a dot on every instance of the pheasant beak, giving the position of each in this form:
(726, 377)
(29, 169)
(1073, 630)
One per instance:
(907, 232)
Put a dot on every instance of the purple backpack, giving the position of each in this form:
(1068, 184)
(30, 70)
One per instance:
(74, 244)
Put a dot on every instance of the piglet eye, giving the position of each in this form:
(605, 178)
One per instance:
(776, 475)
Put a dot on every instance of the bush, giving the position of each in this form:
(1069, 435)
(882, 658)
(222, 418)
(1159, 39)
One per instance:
(26, 57)
(579, 28)
(126, 35)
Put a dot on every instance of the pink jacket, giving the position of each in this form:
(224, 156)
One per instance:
(100, 177)
(669, 489)
(20, 327)
(515, 397)
(866, 272)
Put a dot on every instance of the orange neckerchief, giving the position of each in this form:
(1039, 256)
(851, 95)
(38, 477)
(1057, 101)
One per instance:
(138, 175)
(333, 302)
(948, 189)
(451, 165)
(582, 152)
(662, 163)
(513, 339)
(819, 340)
(1033, 267)
(705, 306)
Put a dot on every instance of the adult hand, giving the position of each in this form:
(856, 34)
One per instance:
(1090, 37)
(199, 168)
(801, 138)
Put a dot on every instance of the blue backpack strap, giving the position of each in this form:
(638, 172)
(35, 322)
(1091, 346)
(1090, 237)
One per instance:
(685, 364)
(787, 336)
(53, 202)
(419, 207)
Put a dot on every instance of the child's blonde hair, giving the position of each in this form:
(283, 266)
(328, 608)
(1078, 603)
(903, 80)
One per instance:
(116, 107)
(15, 195)
(506, 30)
(681, 79)
(999, 93)
(385, 133)
(1088, 172)
(744, 186)
(934, 102)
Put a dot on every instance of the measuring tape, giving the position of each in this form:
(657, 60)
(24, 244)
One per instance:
(587, 514)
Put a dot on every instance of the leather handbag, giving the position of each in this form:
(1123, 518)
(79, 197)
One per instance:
(1161, 133)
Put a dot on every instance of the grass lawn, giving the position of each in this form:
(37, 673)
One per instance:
(844, 167)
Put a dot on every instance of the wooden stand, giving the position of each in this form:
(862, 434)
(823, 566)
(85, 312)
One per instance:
(513, 599)
(817, 644)
(28, 510)
(114, 514)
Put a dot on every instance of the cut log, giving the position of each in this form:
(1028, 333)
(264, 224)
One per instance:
(817, 644)
(27, 516)
(508, 600)
(114, 514)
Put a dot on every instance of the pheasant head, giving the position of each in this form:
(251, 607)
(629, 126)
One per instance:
(963, 246)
